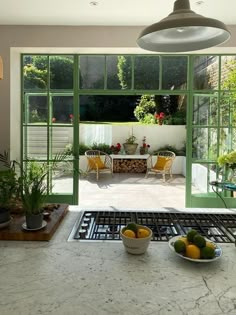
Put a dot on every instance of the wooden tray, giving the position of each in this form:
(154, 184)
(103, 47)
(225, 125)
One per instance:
(15, 231)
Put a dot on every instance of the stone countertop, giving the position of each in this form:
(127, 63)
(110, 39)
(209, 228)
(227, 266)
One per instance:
(88, 278)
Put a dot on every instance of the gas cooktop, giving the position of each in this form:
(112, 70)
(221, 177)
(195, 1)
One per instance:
(106, 225)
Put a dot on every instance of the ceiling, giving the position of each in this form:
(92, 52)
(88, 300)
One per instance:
(106, 12)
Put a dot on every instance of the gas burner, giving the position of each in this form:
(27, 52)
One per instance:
(112, 229)
(106, 225)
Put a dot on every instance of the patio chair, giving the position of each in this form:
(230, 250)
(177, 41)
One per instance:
(98, 162)
(163, 164)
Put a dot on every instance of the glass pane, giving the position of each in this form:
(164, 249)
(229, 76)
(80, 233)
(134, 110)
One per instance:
(174, 73)
(225, 139)
(62, 139)
(91, 70)
(36, 109)
(228, 109)
(119, 72)
(35, 70)
(61, 72)
(62, 109)
(205, 143)
(62, 182)
(205, 110)
(107, 107)
(205, 76)
(228, 73)
(35, 142)
(202, 175)
(146, 72)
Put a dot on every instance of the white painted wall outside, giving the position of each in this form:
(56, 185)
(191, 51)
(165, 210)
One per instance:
(157, 136)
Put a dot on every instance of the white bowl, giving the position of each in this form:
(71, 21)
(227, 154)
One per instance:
(136, 246)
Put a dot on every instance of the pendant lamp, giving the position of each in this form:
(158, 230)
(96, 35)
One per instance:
(1, 69)
(183, 30)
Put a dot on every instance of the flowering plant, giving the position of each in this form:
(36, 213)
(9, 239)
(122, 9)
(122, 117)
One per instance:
(228, 160)
(144, 148)
(159, 117)
(71, 116)
(116, 148)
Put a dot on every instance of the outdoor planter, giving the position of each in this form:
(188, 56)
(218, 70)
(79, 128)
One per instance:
(130, 148)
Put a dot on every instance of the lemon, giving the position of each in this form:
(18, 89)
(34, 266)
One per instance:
(142, 233)
(199, 241)
(129, 233)
(192, 251)
(179, 246)
(210, 244)
(191, 234)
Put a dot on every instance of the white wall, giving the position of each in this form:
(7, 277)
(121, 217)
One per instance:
(157, 136)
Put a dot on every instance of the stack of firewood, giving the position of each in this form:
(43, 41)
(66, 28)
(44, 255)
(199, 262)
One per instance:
(129, 166)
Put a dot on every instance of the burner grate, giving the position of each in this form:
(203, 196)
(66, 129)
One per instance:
(106, 225)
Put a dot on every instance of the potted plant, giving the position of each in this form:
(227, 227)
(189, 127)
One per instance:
(144, 148)
(33, 189)
(115, 149)
(130, 145)
(229, 162)
(8, 188)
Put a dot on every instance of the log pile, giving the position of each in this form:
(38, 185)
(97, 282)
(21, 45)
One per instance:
(129, 166)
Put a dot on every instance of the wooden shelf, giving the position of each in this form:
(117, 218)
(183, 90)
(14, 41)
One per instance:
(15, 231)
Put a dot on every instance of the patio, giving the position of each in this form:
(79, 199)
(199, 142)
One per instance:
(131, 191)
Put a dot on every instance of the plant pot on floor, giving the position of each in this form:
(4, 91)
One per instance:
(34, 221)
(130, 148)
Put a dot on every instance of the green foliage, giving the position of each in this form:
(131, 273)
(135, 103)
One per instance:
(36, 117)
(148, 119)
(61, 72)
(34, 77)
(124, 71)
(146, 105)
(8, 188)
(8, 182)
(178, 152)
(102, 147)
(33, 182)
(131, 140)
(178, 118)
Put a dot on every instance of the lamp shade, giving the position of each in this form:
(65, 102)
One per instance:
(183, 30)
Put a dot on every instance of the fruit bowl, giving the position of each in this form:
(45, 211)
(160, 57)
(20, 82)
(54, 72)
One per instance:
(136, 246)
(218, 251)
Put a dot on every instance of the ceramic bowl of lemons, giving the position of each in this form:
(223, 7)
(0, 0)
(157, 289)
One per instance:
(136, 238)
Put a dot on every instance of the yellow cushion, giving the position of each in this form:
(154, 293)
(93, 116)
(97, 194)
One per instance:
(95, 162)
(161, 162)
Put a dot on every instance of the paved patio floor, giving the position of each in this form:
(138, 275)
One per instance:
(131, 191)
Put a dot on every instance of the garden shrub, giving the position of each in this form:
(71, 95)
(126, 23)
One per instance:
(178, 152)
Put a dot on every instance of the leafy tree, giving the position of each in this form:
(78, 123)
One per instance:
(147, 105)
(124, 71)
(34, 77)
(36, 72)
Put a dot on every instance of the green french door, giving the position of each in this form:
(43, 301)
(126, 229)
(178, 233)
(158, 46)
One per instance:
(49, 124)
(211, 129)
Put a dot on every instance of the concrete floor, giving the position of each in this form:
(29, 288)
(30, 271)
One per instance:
(131, 191)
